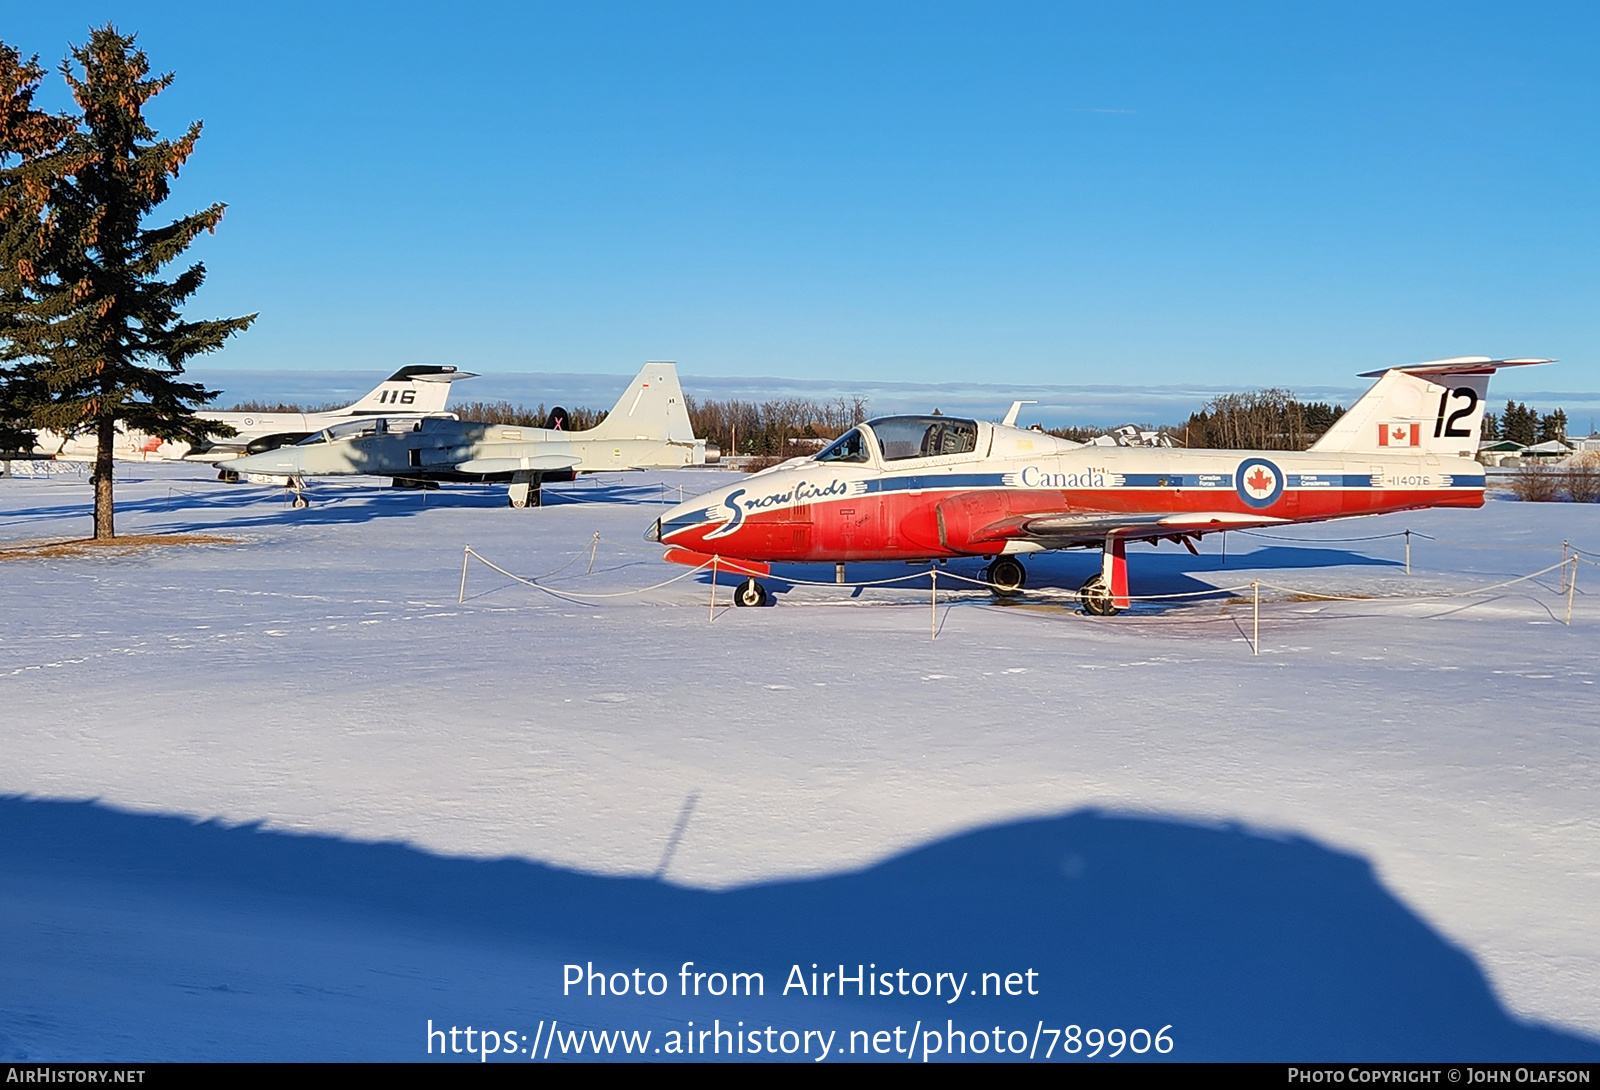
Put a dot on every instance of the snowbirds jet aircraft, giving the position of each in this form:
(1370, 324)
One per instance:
(920, 488)
(648, 428)
(419, 391)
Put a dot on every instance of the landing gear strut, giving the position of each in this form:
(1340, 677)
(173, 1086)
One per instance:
(526, 490)
(1006, 577)
(1106, 594)
(298, 487)
(750, 593)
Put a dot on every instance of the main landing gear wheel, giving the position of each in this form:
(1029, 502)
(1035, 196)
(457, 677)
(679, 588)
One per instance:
(750, 593)
(1006, 577)
(300, 503)
(1097, 598)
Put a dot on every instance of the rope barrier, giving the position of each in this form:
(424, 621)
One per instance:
(568, 595)
(1422, 597)
(714, 564)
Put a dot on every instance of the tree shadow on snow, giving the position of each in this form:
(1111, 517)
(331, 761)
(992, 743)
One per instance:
(1251, 947)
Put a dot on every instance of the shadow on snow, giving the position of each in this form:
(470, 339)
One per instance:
(308, 946)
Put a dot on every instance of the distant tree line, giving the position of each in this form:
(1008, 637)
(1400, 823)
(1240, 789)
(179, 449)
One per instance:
(1520, 424)
(520, 416)
(1271, 419)
(771, 429)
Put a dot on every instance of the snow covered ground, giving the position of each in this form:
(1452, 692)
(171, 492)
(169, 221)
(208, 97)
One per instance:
(319, 677)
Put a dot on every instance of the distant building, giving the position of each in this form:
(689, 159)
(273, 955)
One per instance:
(1495, 452)
(1552, 450)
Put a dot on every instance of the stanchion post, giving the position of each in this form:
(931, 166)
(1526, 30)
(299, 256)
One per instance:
(1572, 588)
(933, 602)
(594, 550)
(711, 609)
(462, 596)
(1565, 546)
(1255, 637)
(1408, 552)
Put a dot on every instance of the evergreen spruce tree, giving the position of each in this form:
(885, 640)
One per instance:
(30, 167)
(94, 335)
(1553, 425)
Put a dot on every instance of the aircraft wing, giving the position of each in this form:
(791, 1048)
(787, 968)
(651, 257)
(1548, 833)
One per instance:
(542, 462)
(1061, 529)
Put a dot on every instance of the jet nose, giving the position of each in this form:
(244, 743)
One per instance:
(654, 533)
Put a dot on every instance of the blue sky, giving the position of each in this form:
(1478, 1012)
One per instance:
(1231, 194)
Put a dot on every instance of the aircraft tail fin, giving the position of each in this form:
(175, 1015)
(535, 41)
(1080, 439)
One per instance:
(1423, 408)
(421, 389)
(652, 407)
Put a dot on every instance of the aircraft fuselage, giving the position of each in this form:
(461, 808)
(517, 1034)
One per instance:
(1021, 491)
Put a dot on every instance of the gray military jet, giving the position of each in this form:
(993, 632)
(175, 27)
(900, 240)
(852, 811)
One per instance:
(647, 429)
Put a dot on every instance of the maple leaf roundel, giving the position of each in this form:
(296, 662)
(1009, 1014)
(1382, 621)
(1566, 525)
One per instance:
(1258, 482)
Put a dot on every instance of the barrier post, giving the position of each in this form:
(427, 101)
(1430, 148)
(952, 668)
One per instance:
(1408, 552)
(1565, 545)
(1572, 587)
(711, 609)
(593, 551)
(462, 596)
(933, 602)
(1255, 637)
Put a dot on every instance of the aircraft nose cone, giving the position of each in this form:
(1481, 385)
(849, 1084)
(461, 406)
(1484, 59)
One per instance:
(654, 533)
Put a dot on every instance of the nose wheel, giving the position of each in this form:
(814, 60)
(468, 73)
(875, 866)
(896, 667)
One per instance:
(1006, 577)
(750, 593)
(1096, 598)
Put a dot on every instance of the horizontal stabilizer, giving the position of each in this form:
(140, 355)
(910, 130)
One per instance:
(1458, 365)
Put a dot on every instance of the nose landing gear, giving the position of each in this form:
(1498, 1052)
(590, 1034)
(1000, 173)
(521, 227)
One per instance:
(750, 593)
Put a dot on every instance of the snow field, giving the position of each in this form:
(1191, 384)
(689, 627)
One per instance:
(320, 676)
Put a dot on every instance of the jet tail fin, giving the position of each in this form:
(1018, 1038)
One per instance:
(1424, 408)
(651, 407)
(422, 389)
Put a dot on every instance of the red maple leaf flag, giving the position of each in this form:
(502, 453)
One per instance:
(1399, 435)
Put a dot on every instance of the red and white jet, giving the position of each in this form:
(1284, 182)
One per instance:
(932, 487)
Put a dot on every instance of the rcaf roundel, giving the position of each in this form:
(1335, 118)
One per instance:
(1400, 435)
(1258, 482)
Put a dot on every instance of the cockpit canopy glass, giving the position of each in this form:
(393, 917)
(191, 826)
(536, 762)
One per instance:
(849, 447)
(924, 436)
(359, 427)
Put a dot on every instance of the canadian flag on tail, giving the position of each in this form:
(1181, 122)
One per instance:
(1399, 435)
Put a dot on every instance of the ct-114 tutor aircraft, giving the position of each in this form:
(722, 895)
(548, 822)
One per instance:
(930, 487)
(648, 428)
(419, 391)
